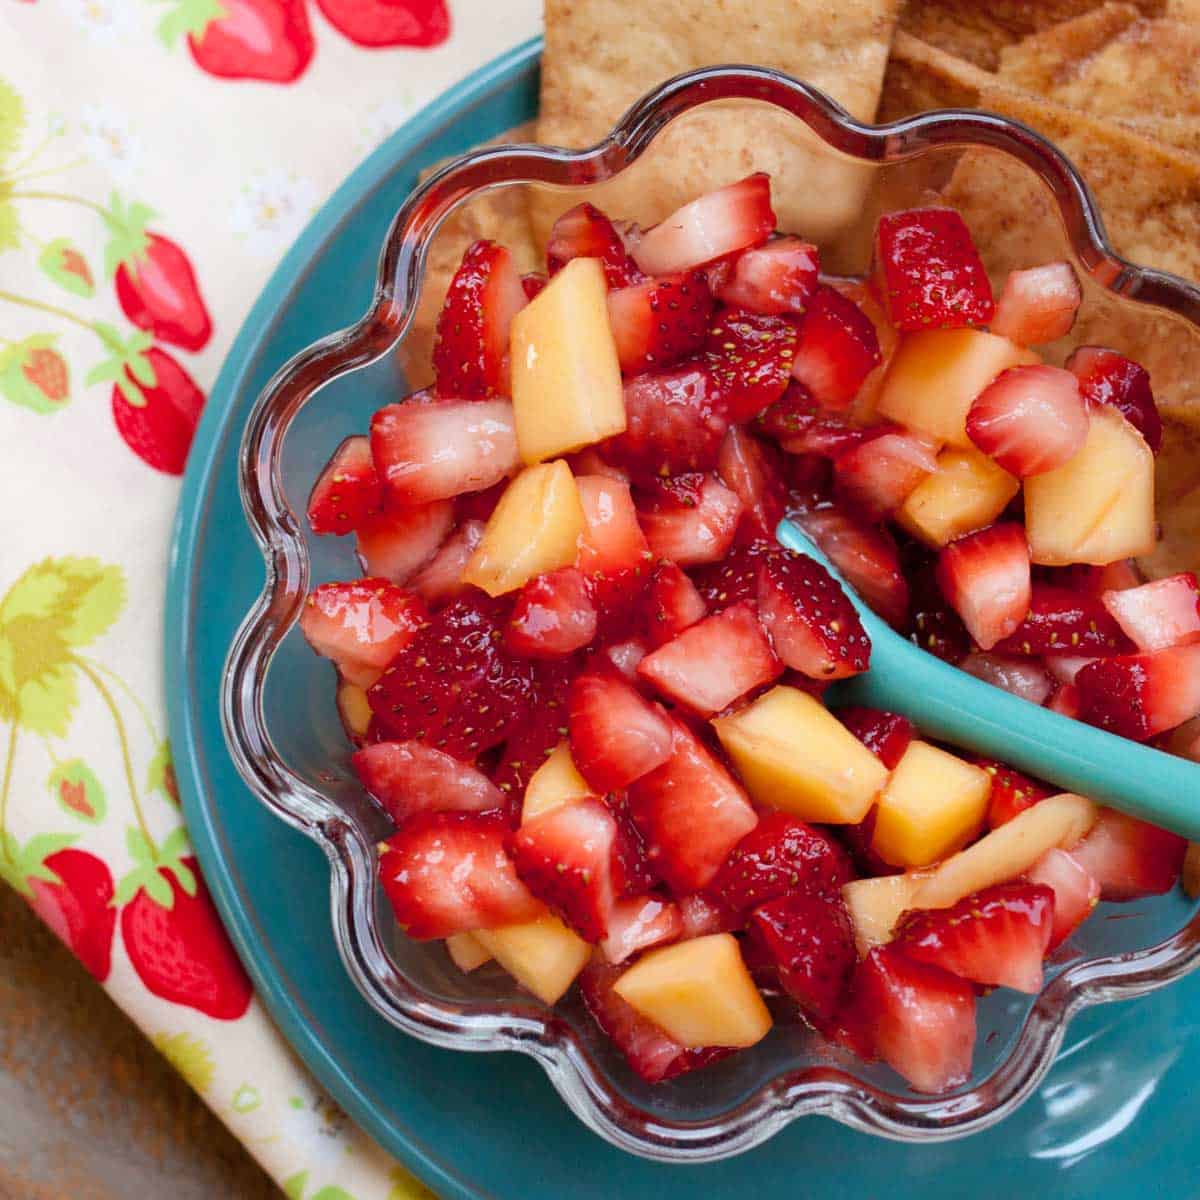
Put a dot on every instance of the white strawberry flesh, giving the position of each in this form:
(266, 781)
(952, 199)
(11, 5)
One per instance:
(986, 578)
(1037, 305)
(1158, 615)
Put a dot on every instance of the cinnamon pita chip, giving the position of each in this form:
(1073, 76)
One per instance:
(1177, 488)
(921, 76)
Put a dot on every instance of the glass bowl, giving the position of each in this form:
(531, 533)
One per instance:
(278, 698)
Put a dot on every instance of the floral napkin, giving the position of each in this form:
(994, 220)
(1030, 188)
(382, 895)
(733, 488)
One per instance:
(157, 157)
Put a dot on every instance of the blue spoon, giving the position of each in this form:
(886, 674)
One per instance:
(952, 706)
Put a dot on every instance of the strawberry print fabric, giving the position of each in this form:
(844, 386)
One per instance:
(157, 157)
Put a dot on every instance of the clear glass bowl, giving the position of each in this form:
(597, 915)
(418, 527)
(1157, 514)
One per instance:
(285, 737)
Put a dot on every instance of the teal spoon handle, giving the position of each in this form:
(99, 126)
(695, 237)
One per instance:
(952, 706)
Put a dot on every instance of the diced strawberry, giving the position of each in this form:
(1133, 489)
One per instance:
(691, 813)
(565, 857)
(397, 542)
(1076, 893)
(886, 734)
(1029, 419)
(731, 218)
(928, 273)
(1130, 858)
(752, 469)
(1038, 305)
(479, 506)
(427, 452)
(589, 461)
(932, 622)
(858, 841)
(774, 279)
(616, 734)
(347, 491)
(1065, 700)
(1062, 621)
(836, 350)
(661, 321)
(672, 603)
(612, 539)
(553, 616)
(703, 915)
(453, 686)
(585, 232)
(809, 619)
(409, 777)
(1160, 614)
(996, 937)
(986, 578)
(811, 941)
(533, 283)
(624, 656)
(639, 923)
(750, 358)
(689, 519)
(674, 424)
(714, 662)
(544, 727)
(440, 579)
(362, 625)
(1096, 580)
(1011, 793)
(633, 872)
(470, 358)
(877, 475)
(735, 577)
(1020, 677)
(448, 873)
(802, 426)
(1106, 377)
(780, 855)
(1064, 667)
(1140, 695)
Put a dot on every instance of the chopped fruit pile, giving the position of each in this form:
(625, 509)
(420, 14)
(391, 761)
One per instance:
(586, 682)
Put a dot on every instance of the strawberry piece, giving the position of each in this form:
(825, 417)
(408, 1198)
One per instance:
(1065, 700)
(544, 727)
(396, 543)
(721, 222)
(932, 623)
(409, 777)
(735, 577)
(624, 657)
(886, 734)
(661, 321)
(431, 451)
(1064, 667)
(633, 872)
(639, 923)
(553, 616)
(779, 856)
(1038, 305)
(585, 232)
(470, 357)
(703, 915)
(691, 813)
(440, 579)
(672, 604)
(809, 619)
(1140, 695)
(1029, 420)
(617, 736)
(876, 476)
(448, 873)
(362, 625)
(1130, 858)
(752, 469)
(1076, 892)
(479, 506)
(802, 426)
(533, 284)
(750, 359)
(714, 662)
(1061, 621)
(565, 856)
(774, 279)
(589, 461)
(986, 578)
(612, 540)
(689, 519)
(837, 348)
(673, 424)
(1019, 676)
(1158, 615)
(453, 686)
(928, 273)
(996, 937)
(1012, 792)
(1106, 377)
(347, 491)
(810, 939)
(1095, 581)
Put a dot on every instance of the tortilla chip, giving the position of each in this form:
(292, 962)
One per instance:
(920, 76)
(1053, 58)
(600, 57)
(1177, 487)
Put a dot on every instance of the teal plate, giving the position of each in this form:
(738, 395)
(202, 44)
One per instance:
(1110, 1117)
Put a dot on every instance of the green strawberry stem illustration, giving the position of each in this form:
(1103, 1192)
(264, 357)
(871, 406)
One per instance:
(62, 197)
(128, 692)
(6, 787)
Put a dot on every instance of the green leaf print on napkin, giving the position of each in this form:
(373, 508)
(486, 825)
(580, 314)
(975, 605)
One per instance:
(65, 265)
(189, 1056)
(20, 865)
(78, 791)
(12, 125)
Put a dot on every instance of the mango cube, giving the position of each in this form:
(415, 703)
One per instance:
(466, 951)
(965, 493)
(793, 754)
(933, 804)
(535, 528)
(566, 381)
(698, 992)
(876, 904)
(543, 956)
(1098, 506)
(555, 782)
(935, 376)
(354, 709)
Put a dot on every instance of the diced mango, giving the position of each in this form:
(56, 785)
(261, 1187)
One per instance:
(466, 951)
(543, 956)
(555, 782)
(1098, 506)
(354, 709)
(535, 528)
(793, 754)
(698, 992)
(875, 905)
(965, 493)
(566, 381)
(935, 376)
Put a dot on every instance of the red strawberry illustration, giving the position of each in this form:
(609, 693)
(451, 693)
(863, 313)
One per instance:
(157, 419)
(389, 22)
(156, 286)
(243, 39)
(46, 369)
(72, 893)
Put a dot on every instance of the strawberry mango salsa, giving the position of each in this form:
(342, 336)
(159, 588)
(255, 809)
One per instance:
(586, 682)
